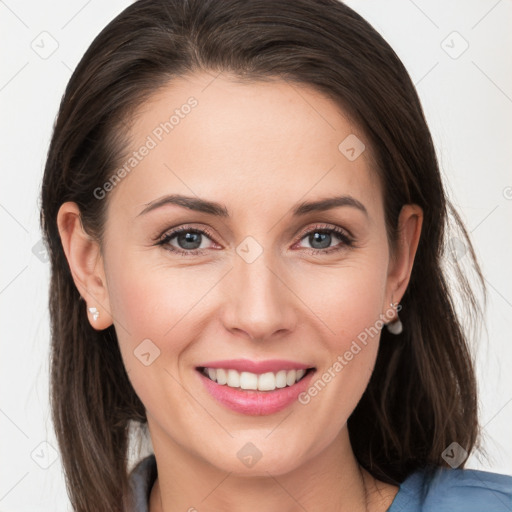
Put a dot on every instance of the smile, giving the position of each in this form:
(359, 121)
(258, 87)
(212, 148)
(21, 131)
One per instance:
(255, 387)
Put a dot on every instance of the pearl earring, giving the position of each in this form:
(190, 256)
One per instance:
(396, 326)
(94, 312)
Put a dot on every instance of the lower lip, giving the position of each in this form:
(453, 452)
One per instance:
(253, 402)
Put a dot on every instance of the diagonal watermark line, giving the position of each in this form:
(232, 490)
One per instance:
(279, 424)
(492, 81)
(198, 402)
(486, 14)
(14, 76)
(286, 491)
(307, 191)
(19, 19)
(75, 15)
(424, 13)
(289, 83)
(497, 291)
(211, 81)
(14, 423)
(301, 300)
(215, 488)
(13, 218)
(501, 409)
(485, 218)
(13, 279)
(167, 166)
(427, 73)
(206, 293)
(66, 66)
(11, 489)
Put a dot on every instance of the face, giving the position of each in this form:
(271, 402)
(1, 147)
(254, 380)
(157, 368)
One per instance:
(252, 280)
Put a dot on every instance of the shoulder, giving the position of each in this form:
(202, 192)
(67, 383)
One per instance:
(476, 490)
(451, 490)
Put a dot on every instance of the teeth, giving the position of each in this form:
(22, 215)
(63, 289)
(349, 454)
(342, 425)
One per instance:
(281, 379)
(221, 376)
(247, 380)
(233, 379)
(267, 382)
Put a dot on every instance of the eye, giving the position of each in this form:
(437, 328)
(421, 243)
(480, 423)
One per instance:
(188, 241)
(321, 237)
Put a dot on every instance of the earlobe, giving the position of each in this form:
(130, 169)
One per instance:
(85, 262)
(410, 222)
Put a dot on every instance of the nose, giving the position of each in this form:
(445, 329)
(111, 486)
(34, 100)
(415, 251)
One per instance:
(261, 305)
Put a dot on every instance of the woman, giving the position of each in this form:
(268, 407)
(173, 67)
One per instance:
(246, 224)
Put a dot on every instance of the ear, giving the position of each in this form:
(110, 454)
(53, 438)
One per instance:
(86, 265)
(410, 222)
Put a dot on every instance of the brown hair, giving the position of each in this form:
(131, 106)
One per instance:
(422, 394)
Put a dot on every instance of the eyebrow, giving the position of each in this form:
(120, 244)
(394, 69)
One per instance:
(219, 210)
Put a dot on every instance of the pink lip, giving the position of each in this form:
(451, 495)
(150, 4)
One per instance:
(253, 402)
(258, 367)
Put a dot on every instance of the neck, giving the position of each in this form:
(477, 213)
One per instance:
(331, 481)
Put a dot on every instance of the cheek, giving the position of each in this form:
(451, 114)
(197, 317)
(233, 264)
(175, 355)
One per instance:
(346, 299)
(154, 310)
(153, 301)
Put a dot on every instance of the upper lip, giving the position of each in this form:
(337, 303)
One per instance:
(258, 367)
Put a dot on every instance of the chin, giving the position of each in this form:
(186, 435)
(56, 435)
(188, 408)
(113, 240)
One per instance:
(257, 458)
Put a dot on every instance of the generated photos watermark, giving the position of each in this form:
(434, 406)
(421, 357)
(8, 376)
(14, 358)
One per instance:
(343, 359)
(152, 140)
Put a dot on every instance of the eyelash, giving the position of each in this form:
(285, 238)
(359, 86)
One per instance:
(346, 239)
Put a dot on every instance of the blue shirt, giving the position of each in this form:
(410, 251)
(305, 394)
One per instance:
(449, 490)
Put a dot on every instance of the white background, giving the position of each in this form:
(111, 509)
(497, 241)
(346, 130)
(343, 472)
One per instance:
(468, 103)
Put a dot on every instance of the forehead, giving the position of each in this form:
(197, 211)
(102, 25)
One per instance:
(251, 144)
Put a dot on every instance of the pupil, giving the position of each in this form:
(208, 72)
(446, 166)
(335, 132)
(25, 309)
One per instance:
(322, 237)
(189, 238)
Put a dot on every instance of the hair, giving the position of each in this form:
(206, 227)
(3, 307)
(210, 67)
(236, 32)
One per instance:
(422, 394)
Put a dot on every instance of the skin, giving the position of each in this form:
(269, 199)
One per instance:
(259, 149)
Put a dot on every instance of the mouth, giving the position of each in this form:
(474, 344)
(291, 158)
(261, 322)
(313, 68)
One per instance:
(249, 381)
(252, 387)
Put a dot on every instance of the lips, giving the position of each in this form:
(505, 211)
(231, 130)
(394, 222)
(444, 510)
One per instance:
(255, 387)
